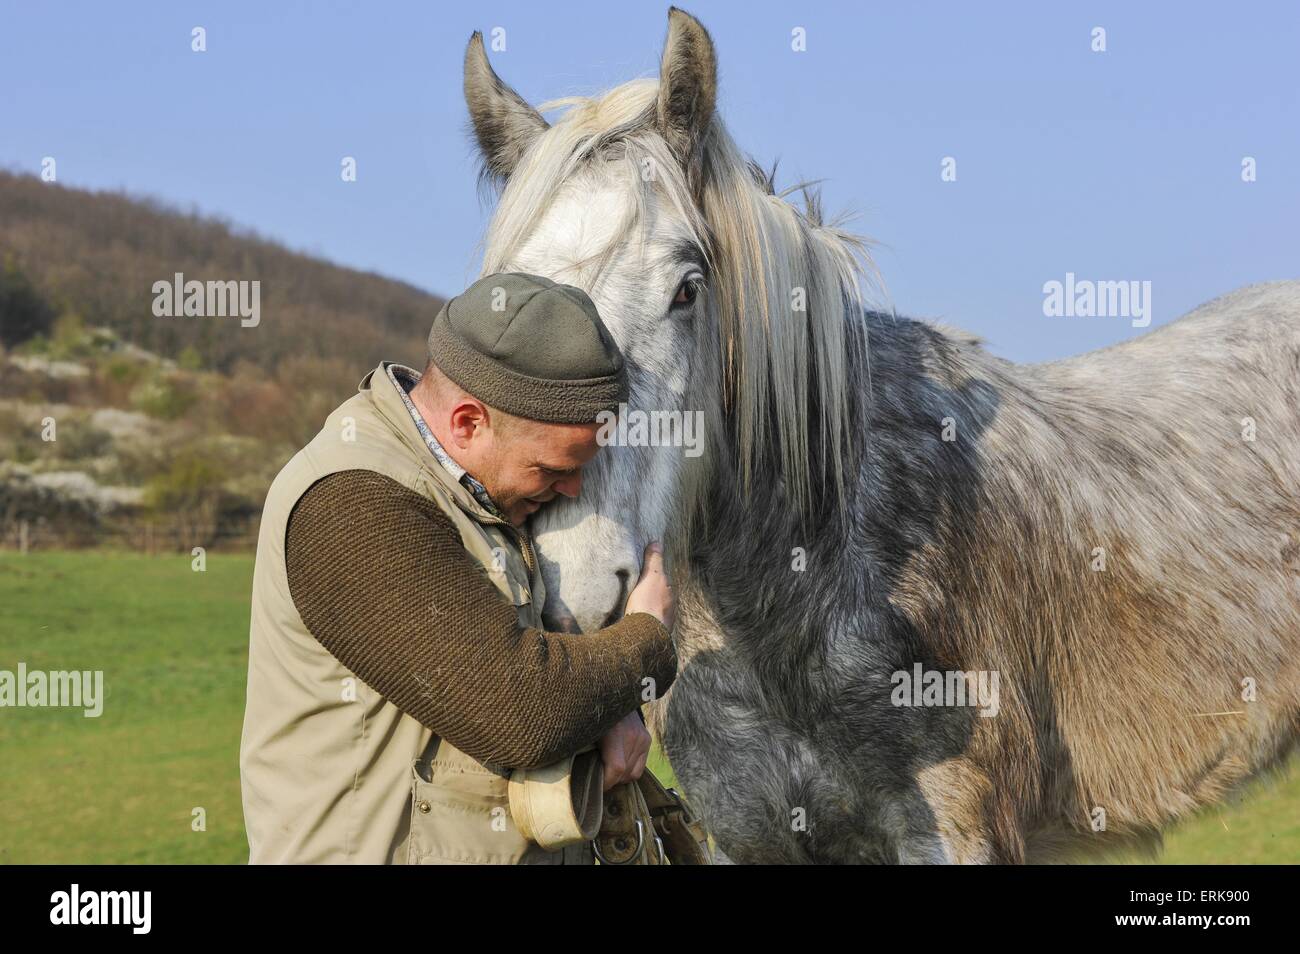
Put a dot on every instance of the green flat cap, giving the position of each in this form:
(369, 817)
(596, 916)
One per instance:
(531, 347)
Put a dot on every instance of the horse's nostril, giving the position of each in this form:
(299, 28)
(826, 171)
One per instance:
(561, 622)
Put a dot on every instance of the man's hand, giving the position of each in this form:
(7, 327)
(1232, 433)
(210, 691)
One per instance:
(624, 750)
(653, 593)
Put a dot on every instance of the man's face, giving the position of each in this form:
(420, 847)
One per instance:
(524, 464)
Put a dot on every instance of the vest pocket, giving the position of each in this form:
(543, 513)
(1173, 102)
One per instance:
(460, 814)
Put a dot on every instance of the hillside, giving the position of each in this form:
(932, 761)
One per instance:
(120, 425)
(98, 254)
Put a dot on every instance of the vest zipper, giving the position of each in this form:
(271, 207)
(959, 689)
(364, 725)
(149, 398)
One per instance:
(526, 547)
(521, 537)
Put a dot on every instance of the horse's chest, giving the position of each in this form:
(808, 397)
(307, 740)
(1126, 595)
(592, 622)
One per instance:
(771, 789)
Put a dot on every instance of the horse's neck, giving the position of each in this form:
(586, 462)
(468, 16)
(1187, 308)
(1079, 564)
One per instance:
(760, 569)
(751, 552)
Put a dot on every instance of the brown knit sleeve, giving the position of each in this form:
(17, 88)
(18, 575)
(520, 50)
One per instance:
(381, 578)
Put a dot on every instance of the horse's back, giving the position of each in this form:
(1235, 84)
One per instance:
(1277, 301)
(1231, 361)
(1257, 324)
(1176, 456)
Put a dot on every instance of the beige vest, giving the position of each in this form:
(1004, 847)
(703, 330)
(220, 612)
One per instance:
(331, 771)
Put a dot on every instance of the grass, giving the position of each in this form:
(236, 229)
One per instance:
(173, 647)
(172, 644)
(1263, 827)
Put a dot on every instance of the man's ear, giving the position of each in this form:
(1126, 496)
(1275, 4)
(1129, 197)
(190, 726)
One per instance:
(467, 418)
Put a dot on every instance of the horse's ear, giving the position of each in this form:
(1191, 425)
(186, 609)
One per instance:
(688, 85)
(504, 123)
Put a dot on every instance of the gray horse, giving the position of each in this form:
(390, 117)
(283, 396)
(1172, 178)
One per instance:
(933, 606)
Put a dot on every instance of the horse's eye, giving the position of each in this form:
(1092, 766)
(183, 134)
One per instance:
(686, 293)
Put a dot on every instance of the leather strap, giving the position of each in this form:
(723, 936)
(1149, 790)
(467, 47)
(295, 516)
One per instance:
(647, 824)
(560, 804)
(683, 836)
(627, 833)
(636, 823)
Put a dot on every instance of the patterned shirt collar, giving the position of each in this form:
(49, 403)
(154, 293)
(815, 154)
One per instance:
(404, 379)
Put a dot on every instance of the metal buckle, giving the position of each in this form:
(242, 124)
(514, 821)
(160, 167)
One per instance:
(687, 815)
(640, 846)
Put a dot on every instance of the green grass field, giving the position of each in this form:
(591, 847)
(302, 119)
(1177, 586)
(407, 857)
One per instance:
(172, 644)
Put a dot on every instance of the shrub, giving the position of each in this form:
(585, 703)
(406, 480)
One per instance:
(24, 313)
(191, 494)
(165, 396)
(190, 359)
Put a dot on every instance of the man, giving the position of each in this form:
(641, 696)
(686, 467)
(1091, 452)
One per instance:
(398, 667)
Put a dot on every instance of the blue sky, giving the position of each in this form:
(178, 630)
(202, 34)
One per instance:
(1122, 165)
